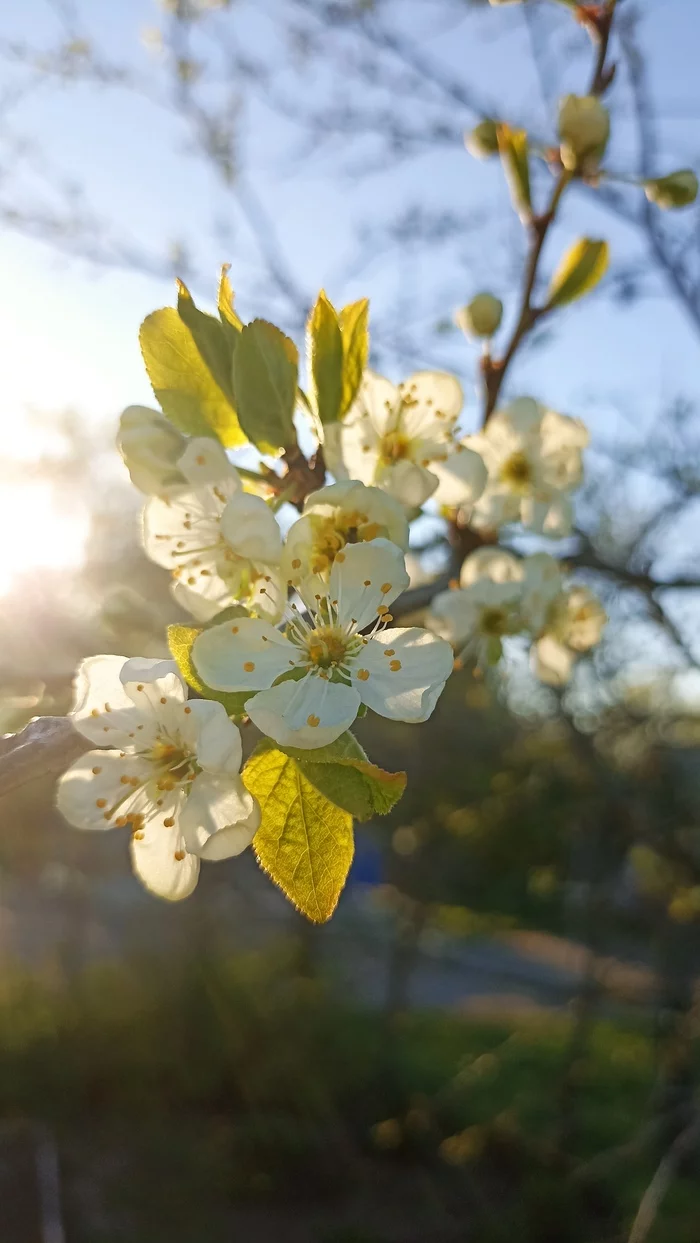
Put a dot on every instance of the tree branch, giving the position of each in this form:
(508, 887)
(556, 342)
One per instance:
(659, 1186)
(44, 748)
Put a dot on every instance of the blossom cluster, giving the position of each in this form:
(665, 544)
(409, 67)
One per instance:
(298, 626)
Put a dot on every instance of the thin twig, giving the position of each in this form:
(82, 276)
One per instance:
(659, 1186)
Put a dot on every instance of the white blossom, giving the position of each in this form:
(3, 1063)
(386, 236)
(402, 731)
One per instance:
(485, 608)
(393, 434)
(564, 620)
(534, 461)
(151, 448)
(171, 773)
(343, 513)
(332, 668)
(222, 545)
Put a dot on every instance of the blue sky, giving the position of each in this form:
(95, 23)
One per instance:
(70, 329)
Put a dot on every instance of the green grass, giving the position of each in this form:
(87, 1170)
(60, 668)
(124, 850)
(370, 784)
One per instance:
(184, 1096)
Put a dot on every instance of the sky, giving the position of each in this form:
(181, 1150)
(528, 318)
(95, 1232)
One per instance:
(69, 327)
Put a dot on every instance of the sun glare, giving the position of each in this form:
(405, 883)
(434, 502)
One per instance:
(35, 534)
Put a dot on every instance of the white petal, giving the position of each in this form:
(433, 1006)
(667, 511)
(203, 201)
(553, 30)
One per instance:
(333, 450)
(268, 597)
(454, 616)
(204, 461)
(360, 449)
(378, 400)
(560, 517)
(366, 580)
(305, 714)
(220, 817)
(176, 531)
(551, 661)
(407, 482)
(491, 562)
(88, 792)
(250, 528)
(407, 671)
(221, 654)
(202, 606)
(524, 415)
(214, 738)
(436, 400)
(367, 506)
(542, 585)
(495, 508)
(160, 858)
(102, 711)
(462, 477)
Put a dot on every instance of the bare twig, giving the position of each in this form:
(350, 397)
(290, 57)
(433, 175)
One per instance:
(44, 748)
(659, 1186)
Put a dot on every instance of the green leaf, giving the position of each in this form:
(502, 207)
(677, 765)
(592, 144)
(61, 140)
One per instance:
(514, 149)
(180, 640)
(343, 773)
(182, 382)
(304, 843)
(210, 339)
(265, 366)
(325, 352)
(354, 325)
(583, 266)
(224, 300)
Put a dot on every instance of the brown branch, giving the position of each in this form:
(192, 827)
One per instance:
(599, 26)
(659, 1186)
(44, 748)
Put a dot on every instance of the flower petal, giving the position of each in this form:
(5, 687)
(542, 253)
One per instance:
(160, 858)
(305, 714)
(407, 482)
(365, 579)
(214, 738)
(205, 604)
(102, 711)
(434, 400)
(462, 477)
(269, 596)
(552, 662)
(401, 673)
(244, 655)
(360, 447)
(378, 400)
(220, 817)
(204, 461)
(87, 793)
(176, 531)
(251, 530)
(491, 562)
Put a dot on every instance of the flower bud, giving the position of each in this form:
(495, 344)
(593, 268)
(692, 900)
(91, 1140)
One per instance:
(481, 317)
(151, 448)
(482, 141)
(678, 189)
(584, 130)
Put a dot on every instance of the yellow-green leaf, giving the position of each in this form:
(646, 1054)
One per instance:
(210, 339)
(344, 774)
(514, 149)
(180, 640)
(182, 382)
(265, 366)
(325, 357)
(304, 843)
(583, 266)
(354, 325)
(225, 300)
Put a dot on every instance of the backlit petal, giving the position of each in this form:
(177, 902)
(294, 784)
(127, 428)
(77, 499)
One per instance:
(305, 714)
(401, 673)
(366, 581)
(241, 655)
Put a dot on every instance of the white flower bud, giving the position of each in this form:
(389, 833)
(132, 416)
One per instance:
(481, 317)
(678, 189)
(151, 448)
(482, 141)
(584, 130)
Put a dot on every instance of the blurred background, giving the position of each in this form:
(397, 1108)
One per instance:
(496, 1035)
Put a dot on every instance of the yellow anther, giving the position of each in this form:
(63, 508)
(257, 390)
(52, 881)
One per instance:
(394, 665)
(313, 721)
(385, 588)
(363, 674)
(249, 666)
(100, 802)
(96, 771)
